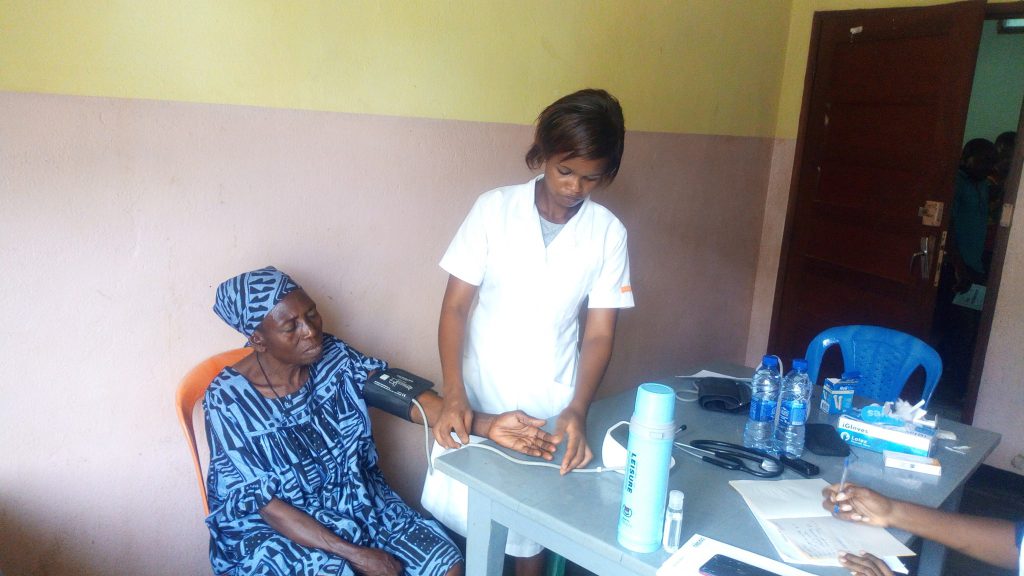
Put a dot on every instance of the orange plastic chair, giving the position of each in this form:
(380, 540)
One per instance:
(190, 391)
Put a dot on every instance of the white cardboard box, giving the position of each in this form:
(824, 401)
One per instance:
(923, 464)
(877, 437)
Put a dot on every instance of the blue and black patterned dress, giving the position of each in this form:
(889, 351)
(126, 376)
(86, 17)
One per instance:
(313, 450)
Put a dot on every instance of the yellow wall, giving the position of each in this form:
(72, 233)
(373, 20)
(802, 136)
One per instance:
(701, 66)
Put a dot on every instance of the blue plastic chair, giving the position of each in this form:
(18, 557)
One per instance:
(884, 357)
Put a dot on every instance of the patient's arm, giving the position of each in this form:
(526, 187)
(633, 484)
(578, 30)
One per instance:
(515, 430)
(304, 530)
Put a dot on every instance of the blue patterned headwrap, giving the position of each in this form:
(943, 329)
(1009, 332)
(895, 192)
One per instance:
(245, 300)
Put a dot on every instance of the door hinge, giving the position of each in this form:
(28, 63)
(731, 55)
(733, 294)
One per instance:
(1006, 216)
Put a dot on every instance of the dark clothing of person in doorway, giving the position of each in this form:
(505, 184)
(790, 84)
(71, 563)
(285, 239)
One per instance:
(955, 324)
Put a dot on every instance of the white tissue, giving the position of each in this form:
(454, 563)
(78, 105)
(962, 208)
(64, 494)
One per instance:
(909, 414)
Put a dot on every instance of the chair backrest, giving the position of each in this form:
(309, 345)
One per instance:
(884, 357)
(190, 391)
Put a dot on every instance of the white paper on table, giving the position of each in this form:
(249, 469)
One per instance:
(974, 298)
(705, 374)
(782, 498)
(710, 374)
(699, 549)
(803, 532)
(821, 538)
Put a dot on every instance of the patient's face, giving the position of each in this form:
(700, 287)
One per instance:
(292, 332)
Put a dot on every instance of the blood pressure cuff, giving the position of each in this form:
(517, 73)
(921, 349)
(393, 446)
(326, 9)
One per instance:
(723, 395)
(824, 440)
(393, 391)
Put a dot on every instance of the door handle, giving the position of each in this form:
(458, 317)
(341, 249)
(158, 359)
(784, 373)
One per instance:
(925, 255)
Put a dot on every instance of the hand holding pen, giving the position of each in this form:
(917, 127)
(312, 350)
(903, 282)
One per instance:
(858, 504)
(842, 481)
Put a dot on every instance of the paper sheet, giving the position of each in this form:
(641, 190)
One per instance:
(974, 298)
(803, 532)
(783, 498)
(699, 549)
(822, 538)
(710, 374)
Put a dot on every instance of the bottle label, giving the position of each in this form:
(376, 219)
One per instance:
(793, 412)
(762, 410)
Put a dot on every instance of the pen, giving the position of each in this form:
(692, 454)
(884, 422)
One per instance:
(842, 483)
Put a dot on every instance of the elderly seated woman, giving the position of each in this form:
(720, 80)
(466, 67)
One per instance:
(294, 486)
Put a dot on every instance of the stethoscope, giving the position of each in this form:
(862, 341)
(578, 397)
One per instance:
(734, 457)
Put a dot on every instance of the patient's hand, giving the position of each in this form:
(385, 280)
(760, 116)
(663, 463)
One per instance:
(521, 432)
(374, 562)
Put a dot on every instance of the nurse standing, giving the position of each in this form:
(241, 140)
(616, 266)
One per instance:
(531, 255)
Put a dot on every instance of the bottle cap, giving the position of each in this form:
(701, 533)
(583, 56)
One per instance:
(675, 499)
(655, 404)
(800, 365)
(770, 361)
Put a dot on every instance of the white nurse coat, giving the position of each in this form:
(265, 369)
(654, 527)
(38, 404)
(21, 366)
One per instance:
(521, 347)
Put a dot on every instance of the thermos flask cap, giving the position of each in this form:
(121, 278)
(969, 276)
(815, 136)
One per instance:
(655, 404)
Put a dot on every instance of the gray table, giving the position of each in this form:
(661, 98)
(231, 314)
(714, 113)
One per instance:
(576, 515)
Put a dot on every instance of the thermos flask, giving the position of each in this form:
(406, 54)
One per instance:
(649, 454)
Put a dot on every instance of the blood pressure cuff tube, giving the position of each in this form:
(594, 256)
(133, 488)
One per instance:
(393, 391)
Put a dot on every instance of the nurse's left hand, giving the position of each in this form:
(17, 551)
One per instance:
(571, 427)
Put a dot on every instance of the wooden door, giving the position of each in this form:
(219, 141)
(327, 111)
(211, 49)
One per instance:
(884, 112)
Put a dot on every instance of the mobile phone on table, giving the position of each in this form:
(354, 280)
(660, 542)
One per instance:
(719, 565)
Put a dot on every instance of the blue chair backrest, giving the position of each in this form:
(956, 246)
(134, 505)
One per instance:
(885, 359)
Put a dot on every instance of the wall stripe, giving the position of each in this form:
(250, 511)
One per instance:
(701, 66)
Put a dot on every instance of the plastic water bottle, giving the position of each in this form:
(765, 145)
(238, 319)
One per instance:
(765, 384)
(793, 402)
(648, 458)
(673, 533)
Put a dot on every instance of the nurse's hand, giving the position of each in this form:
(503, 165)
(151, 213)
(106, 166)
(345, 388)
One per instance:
(520, 432)
(859, 504)
(864, 565)
(456, 416)
(571, 427)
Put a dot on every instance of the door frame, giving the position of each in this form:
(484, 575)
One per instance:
(992, 12)
(995, 12)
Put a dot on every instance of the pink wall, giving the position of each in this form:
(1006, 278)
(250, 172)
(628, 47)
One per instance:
(119, 217)
(1001, 395)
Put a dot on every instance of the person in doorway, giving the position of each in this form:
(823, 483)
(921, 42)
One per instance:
(955, 324)
(969, 218)
(530, 255)
(1005, 144)
(996, 542)
(293, 481)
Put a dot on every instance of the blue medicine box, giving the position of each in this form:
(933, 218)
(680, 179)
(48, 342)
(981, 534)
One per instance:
(837, 395)
(880, 437)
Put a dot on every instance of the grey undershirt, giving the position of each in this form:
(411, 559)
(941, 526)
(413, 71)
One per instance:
(549, 230)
